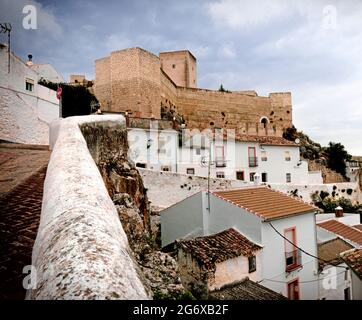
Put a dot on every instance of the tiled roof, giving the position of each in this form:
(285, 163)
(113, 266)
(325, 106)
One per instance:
(330, 251)
(342, 230)
(353, 258)
(266, 140)
(358, 226)
(231, 135)
(245, 290)
(265, 202)
(219, 247)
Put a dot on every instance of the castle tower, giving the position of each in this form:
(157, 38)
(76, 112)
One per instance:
(180, 66)
(129, 80)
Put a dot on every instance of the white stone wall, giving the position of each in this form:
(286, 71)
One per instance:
(333, 282)
(25, 115)
(81, 250)
(181, 186)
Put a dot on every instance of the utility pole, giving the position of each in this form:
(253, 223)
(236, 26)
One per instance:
(208, 163)
(6, 28)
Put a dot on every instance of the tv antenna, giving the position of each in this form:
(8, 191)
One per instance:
(6, 28)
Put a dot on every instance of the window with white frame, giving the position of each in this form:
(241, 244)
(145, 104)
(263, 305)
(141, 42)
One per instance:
(190, 170)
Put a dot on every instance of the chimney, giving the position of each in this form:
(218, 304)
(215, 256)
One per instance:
(29, 62)
(339, 212)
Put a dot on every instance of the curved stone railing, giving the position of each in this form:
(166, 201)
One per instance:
(81, 250)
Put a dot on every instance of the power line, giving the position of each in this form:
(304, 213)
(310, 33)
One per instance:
(307, 253)
(307, 281)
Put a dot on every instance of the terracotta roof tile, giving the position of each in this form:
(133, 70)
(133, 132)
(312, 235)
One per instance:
(353, 258)
(358, 226)
(219, 247)
(342, 230)
(330, 251)
(265, 202)
(265, 140)
(245, 290)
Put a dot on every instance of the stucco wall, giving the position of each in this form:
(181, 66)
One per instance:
(81, 250)
(274, 256)
(25, 115)
(333, 282)
(234, 270)
(181, 186)
(189, 223)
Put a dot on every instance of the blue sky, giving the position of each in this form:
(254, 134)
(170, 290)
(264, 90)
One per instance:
(311, 48)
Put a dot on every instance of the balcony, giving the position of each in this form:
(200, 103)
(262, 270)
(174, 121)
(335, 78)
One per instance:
(253, 161)
(293, 260)
(220, 162)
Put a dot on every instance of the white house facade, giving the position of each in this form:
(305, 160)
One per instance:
(288, 224)
(27, 108)
(269, 159)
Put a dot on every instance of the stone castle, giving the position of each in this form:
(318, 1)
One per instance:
(149, 86)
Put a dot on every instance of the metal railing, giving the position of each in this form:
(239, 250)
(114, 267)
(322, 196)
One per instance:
(253, 161)
(293, 260)
(220, 162)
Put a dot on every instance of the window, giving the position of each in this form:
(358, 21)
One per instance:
(198, 151)
(190, 171)
(219, 157)
(264, 177)
(292, 253)
(29, 85)
(253, 161)
(287, 155)
(141, 165)
(263, 156)
(288, 177)
(347, 293)
(173, 66)
(252, 174)
(293, 290)
(220, 174)
(264, 121)
(240, 175)
(165, 168)
(252, 263)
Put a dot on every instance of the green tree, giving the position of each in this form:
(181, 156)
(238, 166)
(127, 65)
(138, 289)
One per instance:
(221, 89)
(337, 157)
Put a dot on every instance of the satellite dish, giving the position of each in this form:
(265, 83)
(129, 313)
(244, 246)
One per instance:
(297, 140)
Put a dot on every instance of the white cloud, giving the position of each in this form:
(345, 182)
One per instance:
(227, 51)
(238, 14)
(117, 42)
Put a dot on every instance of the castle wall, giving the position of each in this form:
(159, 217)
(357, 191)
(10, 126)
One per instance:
(102, 86)
(138, 81)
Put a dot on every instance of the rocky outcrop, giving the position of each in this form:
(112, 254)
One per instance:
(109, 147)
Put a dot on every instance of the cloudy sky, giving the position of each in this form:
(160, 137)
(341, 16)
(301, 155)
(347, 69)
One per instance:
(311, 48)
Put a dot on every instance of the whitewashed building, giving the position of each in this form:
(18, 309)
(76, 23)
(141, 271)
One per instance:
(283, 226)
(27, 108)
(247, 158)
